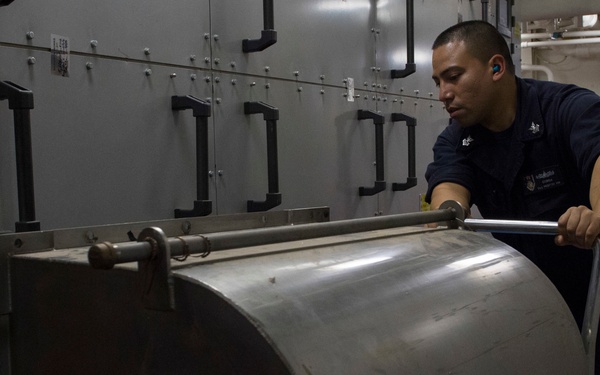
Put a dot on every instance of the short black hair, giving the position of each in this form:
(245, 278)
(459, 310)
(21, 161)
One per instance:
(481, 38)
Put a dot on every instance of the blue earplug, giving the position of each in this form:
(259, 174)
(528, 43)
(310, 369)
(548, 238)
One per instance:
(496, 68)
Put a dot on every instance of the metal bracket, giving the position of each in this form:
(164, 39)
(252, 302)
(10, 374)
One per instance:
(155, 272)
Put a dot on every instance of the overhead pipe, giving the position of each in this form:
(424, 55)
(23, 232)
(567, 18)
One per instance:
(560, 42)
(20, 100)
(565, 34)
(410, 66)
(540, 68)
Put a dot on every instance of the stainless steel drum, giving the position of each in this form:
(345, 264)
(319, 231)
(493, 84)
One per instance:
(394, 301)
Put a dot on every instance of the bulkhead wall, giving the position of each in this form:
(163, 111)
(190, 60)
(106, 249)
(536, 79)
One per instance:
(107, 146)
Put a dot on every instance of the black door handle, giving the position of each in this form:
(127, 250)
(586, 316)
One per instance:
(201, 112)
(411, 67)
(411, 180)
(270, 115)
(20, 100)
(268, 36)
(380, 184)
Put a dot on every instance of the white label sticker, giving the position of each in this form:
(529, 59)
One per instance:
(350, 87)
(59, 49)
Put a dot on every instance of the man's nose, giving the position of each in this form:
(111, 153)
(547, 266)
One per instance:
(444, 94)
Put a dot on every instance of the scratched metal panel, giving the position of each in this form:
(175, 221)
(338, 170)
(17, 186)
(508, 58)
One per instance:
(325, 38)
(106, 145)
(172, 31)
(324, 152)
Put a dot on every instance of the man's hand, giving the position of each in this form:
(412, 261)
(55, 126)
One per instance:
(579, 226)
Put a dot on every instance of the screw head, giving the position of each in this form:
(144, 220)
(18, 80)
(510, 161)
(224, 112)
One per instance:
(146, 51)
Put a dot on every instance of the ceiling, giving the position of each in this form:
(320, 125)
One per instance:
(531, 10)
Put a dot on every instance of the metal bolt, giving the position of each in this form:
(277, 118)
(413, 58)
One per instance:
(207, 79)
(217, 79)
(89, 65)
(192, 57)
(148, 72)
(385, 87)
(233, 64)
(186, 227)
(193, 76)
(416, 92)
(30, 35)
(253, 84)
(366, 97)
(267, 68)
(366, 84)
(373, 68)
(267, 85)
(146, 51)
(401, 101)
(430, 94)
(31, 60)
(416, 103)
(207, 60)
(216, 37)
(322, 77)
(217, 61)
(234, 82)
(218, 100)
(345, 81)
(357, 96)
(299, 89)
(322, 92)
(211, 173)
(173, 75)
(206, 36)
(220, 172)
(378, 69)
(296, 73)
(90, 237)
(345, 95)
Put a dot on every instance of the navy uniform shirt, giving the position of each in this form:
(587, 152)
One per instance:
(535, 170)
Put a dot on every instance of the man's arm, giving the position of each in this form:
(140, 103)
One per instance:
(450, 191)
(580, 226)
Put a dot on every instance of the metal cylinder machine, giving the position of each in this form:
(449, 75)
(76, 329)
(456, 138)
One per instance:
(285, 292)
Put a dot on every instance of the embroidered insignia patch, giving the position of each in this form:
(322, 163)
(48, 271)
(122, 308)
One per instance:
(467, 141)
(534, 128)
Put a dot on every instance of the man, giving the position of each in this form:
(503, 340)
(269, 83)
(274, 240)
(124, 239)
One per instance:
(519, 149)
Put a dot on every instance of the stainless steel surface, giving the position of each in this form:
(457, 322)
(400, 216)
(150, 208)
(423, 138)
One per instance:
(405, 300)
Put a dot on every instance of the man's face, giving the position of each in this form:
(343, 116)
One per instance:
(464, 83)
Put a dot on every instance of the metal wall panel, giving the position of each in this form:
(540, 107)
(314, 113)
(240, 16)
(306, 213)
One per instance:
(325, 153)
(109, 149)
(106, 145)
(323, 40)
(171, 31)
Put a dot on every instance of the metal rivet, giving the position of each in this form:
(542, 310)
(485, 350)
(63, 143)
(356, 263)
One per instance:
(296, 73)
(207, 60)
(216, 37)
(252, 83)
(146, 51)
(232, 64)
(31, 60)
(217, 79)
(173, 75)
(207, 79)
(186, 227)
(148, 72)
(211, 173)
(322, 77)
(192, 57)
(30, 35)
(267, 85)
(322, 91)
(220, 172)
(218, 100)
(89, 65)
(94, 43)
(206, 36)
(233, 82)
(217, 61)
(299, 89)
(267, 68)
(193, 76)
(416, 92)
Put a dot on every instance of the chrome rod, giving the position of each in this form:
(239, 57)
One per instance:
(512, 226)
